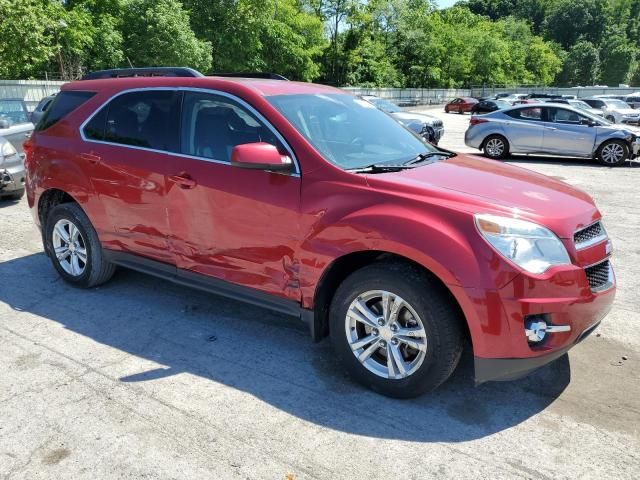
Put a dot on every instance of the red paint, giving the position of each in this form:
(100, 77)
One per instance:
(279, 233)
(460, 105)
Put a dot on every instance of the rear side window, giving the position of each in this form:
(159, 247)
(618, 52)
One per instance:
(534, 113)
(64, 103)
(148, 119)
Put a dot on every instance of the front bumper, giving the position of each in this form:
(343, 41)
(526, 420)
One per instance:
(631, 120)
(11, 180)
(505, 369)
(635, 148)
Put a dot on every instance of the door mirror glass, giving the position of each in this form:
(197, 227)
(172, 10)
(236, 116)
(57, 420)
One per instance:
(260, 156)
(4, 123)
(587, 122)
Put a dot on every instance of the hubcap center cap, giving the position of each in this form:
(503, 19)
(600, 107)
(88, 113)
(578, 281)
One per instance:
(386, 333)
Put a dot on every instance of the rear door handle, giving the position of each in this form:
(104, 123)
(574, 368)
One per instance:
(550, 128)
(183, 180)
(91, 158)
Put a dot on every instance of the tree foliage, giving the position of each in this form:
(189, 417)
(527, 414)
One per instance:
(401, 43)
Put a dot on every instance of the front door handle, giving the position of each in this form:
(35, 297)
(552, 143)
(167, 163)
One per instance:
(183, 180)
(91, 158)
(550, 128)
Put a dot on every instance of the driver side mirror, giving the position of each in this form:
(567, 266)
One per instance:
(587, 122)
(4, 123)
(260, 156)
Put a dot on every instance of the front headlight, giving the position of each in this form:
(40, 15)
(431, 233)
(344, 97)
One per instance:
(530, 246)
(6, 151)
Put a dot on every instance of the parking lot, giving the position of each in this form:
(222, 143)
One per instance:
(144, 379)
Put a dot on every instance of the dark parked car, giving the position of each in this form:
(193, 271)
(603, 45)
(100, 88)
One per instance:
(460, 105)
(487, 106)
(42, 107)
(427, 126)
(306, 200)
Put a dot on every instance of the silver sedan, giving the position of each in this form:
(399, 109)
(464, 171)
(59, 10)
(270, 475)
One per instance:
(552, 129)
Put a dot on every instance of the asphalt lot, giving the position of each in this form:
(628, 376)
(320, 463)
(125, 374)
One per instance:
(144, 379)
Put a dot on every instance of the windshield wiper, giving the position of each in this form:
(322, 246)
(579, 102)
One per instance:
(379, 168)
(421, 157)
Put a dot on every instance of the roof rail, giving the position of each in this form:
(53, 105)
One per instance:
(143, 72)
(268, 76)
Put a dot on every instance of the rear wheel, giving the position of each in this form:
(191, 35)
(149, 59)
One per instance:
(495, 146)
(395, 330)
(74, 248)
(613, 152)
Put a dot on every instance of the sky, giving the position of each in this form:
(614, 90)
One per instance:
(446, 3)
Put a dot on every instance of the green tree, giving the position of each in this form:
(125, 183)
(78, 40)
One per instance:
(581, 65)
(26, 30)
(569, 20)
(157, 32)
(618, 56)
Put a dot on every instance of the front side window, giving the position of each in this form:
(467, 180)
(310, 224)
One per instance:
(386, 105)
(212, 125)
(349, 132)
(147, 119)
(561, 115)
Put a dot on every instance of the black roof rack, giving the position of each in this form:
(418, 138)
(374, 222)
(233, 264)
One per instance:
(143, 72)
(268, 76)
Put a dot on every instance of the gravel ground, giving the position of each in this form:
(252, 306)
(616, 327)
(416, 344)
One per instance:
(144, 379)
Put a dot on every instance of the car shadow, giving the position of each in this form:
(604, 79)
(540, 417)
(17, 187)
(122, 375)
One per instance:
(5, 202)
(267, 355)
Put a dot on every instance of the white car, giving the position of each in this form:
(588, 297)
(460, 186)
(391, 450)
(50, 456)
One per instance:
(615, 110)
(633, 100)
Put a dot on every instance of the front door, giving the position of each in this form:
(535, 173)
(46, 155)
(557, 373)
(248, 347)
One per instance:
(230, 223)
(128, 152)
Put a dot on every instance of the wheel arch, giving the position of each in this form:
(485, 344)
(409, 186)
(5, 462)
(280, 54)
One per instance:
(343, 266)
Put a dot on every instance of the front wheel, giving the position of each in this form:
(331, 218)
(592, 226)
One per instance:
(395, 330)
(613, 153)
(496, 146)
(74, 248)
(611, 118)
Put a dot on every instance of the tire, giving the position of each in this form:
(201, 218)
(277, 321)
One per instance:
(446, 109)
(83, 264)
(613, 153)
(611, 118)
(15, 196)
(495, 146)
(425, 305)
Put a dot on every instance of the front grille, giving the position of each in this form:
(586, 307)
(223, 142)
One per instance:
(590, 235)
(599, 276)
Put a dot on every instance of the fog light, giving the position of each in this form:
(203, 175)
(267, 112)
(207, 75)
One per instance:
(536, 328)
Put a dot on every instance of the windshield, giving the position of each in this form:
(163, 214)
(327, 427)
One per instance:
(385, 105)
(13, 111)
(349, 132)
(616, 104)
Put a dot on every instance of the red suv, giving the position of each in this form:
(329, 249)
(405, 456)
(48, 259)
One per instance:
(311, 202)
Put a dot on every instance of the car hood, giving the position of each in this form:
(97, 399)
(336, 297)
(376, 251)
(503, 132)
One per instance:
(411, 116)
(479, 185)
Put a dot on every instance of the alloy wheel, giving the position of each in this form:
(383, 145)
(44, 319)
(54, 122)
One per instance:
(612, 153)
(69, 247)
(386, 334)
(494, 147)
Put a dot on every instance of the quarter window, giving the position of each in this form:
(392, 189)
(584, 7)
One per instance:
(146, 119)
(64, 103)
(213, 124)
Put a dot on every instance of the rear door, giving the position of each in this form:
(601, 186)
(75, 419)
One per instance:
(564, 133)
(128, 150)
(525, 129)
